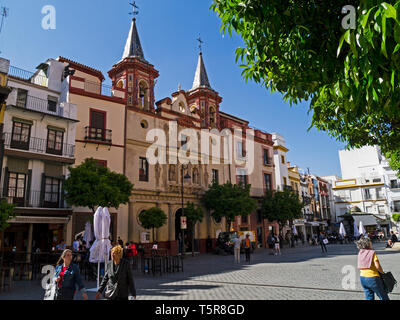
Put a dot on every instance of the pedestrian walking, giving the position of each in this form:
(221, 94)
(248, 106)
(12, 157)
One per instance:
(209, 244)
(271, 243)
(277, 245)
(370, 270)
(75, 245)
(247, 247)
(120, 242)
(118, 280)
(236, 248)
(323, 241)
(67, 276)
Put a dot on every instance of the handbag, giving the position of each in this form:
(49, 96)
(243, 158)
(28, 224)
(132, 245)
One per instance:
(50, 293)
(389, 282)
(325, 241)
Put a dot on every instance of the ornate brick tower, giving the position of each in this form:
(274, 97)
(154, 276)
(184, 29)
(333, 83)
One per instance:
(204, 98)
(133, 75)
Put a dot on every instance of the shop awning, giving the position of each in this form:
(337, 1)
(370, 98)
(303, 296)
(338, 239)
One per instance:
(43, 220)
(367, 220)
(313, 223)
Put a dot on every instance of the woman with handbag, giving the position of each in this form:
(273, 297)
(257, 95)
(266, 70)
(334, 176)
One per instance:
(67, 277)
(118, 281)
(370, 271)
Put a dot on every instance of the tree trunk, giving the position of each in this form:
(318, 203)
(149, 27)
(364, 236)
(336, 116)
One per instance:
(153, 235)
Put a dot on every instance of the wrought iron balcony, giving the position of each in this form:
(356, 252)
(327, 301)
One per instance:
(38, 145)
(93, 134)
(34, 199)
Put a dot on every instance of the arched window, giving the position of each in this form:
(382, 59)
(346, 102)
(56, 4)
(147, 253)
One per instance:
(212, 115)
(120, 84)
(182, 107)
(143, 95)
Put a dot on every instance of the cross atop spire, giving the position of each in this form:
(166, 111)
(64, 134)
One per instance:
(133, 48)
(200, 43)
(135, 9)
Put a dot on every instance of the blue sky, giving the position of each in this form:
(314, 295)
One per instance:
(93, 32)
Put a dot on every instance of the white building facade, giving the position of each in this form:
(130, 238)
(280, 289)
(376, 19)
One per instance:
(368, 185)
(39, 139)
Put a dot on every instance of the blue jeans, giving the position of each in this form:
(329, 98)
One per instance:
(372, 286)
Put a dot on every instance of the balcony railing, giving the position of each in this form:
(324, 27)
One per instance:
(38, 146)
(28, 76)
(34, 199)
(41, 105)
(98, 88)
(98, 135)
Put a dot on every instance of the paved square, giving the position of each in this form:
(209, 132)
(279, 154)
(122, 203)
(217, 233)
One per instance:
(301, 273)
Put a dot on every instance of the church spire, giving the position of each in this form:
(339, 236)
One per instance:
(200, 77)
(133, 48)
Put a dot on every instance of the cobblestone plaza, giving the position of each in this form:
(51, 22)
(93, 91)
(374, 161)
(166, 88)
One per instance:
(301, 273)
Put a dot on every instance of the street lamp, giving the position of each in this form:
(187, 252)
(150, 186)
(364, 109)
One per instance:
(187, 178)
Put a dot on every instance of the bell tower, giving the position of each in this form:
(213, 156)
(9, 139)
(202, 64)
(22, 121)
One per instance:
(134, 75)
(203, 97)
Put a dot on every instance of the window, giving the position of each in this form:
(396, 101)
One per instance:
(367, 194)
(369, 209)
(267, 181)
(143, 169)
(267, 160)
(184, 141)
(22, 97)
(283, 159)
(182, 107)
(97, 125)
(396, 205)
(242, 177)
(52, 104)
(55, 141)
(20, 135)
(285, 181)
(102, 163)
(143, 95)
(394, 184)
(16, 187)
(381, 209)
(376, 180)
(52, 192)
(245, 220)
(144, 124)
(379, 193)
(215, 176)
(240, 150)
(212, 117)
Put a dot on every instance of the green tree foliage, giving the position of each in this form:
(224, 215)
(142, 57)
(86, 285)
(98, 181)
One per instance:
(91, 185)
(350, 77)
(229, 200)
(281, 206)
(152, 218)
(6, 213)
(396, 217)
(193, 214)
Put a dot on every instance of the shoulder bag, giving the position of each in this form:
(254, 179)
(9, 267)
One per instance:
(389, 281)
